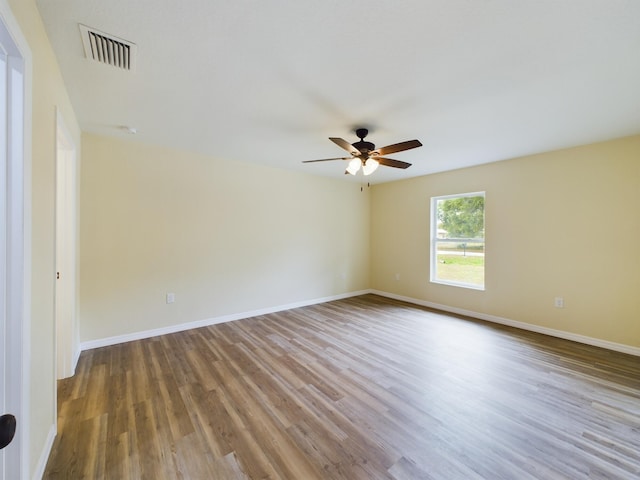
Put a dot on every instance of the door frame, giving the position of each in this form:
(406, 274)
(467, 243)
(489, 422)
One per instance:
(66, 328)
(18, 268)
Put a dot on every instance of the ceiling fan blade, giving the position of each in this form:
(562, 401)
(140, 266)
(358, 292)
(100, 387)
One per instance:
(390, 162)
(327, 159)
(399, 147)
(346, 146)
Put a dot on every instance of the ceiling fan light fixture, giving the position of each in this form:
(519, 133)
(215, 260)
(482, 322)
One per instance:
(370, 166)
(354, 166)
(365, 154)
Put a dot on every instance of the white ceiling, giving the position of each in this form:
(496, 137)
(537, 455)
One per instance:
(269, 81)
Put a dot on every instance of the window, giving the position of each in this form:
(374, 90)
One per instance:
(457, 240)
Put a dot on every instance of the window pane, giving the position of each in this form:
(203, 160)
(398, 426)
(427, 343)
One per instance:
(458, 240)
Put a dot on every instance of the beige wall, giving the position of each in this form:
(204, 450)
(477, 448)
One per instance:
(563, 223)
(225, 237)
(48, 93)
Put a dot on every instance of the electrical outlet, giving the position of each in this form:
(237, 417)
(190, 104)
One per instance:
(558, 302)
(397, 276)
(171, 297)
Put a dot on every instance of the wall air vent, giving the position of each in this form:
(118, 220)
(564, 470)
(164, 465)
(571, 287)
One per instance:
(108, 49)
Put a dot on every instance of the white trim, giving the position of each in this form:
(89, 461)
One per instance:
(76, 357)
(38, 471)
(66, 257)
(22, 338)
(596, 342)
(104, 342)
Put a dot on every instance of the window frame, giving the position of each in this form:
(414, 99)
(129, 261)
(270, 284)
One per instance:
(433, 255)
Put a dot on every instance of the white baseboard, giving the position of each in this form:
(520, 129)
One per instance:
(38, 473)
(105, 342)
(618, 347)
(74, 360)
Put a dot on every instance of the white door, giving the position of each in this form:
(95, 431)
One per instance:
(67, 342)
(12, 257)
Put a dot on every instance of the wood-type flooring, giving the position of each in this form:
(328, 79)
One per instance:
(363, 388)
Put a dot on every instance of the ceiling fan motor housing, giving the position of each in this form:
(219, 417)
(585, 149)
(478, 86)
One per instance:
(366, 148)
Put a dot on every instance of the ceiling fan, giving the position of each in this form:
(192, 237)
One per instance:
(366, 155)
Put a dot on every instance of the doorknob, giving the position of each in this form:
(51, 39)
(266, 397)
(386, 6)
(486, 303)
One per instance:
(7, 429)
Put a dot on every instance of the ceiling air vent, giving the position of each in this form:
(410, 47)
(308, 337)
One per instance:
(108, 49)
